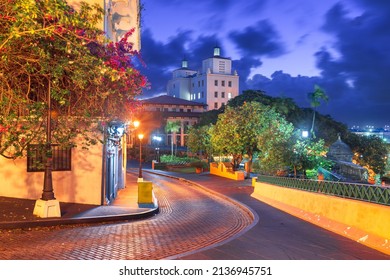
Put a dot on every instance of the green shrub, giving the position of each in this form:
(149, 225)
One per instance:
(174, 160)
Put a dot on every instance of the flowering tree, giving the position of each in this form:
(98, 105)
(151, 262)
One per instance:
(51, 52)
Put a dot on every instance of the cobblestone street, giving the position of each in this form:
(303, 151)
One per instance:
(190, 219)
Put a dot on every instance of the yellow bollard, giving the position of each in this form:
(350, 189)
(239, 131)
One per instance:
(254, 180)
(145, 192)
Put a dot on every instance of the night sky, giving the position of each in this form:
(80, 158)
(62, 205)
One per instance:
(282, 47)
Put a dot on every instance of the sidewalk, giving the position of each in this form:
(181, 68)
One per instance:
(18, 213)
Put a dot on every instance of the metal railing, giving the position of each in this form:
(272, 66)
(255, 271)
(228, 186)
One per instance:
(36, 158)
(364, 192)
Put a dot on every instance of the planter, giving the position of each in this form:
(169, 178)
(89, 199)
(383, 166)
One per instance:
(198, 170)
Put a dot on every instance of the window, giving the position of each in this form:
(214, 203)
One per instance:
(223, 94)
(216, 82)
(198, 95)
(223, 104)
(61, 158)
(188, 110)
(229, 83)
(181, 110)
(229, 95)
(202, 94)
(223, 83)
(216, 94)
(216, 105)
(198, 83)
(202, 83)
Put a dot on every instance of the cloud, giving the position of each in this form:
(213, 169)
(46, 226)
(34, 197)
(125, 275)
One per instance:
(260, 39)
(364, 60)
(162, 58)
(282, 84)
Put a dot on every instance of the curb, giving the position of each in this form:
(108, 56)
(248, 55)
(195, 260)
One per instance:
(78, 221)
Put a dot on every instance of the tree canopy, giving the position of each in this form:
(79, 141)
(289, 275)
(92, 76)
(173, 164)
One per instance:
(244, 130)
(48, 49)
(198, 140)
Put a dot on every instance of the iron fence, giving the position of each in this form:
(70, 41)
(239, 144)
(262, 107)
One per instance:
(364, 192)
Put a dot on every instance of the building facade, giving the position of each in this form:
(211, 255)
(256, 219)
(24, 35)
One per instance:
(215, 84)
(120, 16)
(165, 108)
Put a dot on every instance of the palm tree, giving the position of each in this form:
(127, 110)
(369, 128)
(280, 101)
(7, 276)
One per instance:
(172, 127)
(315, 98)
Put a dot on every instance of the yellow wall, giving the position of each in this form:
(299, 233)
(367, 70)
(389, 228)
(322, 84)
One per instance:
(80, 185)
(219, 169)
(364, 222)
(75, 5)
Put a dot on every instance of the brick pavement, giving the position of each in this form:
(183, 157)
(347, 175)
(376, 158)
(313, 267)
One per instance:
(190, 219)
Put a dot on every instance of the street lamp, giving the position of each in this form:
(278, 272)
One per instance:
(48, 206)
(140, 137)
(134, 129)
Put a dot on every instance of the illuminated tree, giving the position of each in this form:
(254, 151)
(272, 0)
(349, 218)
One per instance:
(247, 129)
(307, 154)
(370, 152)
(199, 140)
(172, 127)
(48, 49)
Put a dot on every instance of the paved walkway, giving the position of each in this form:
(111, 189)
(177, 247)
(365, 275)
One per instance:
(18, 213)
(190, 219)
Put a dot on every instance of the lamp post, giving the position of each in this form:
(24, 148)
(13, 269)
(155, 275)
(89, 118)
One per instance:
(48, 206)
(47, 193)
(135, 127)
(140, 137)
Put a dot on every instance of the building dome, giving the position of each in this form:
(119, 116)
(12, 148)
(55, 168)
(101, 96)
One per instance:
(339, 151)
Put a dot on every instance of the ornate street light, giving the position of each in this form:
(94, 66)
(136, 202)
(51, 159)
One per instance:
(140, 137)
(48, 206)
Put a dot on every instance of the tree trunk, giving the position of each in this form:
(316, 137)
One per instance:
(248, 166)
(312, 125)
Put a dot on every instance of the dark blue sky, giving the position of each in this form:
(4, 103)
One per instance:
(283, 47)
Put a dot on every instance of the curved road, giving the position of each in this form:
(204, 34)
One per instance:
(190, 218)
(277, 235)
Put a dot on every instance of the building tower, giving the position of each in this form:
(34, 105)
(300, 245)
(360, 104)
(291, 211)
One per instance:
(213, 85)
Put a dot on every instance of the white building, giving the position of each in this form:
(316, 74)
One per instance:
(215, 84)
